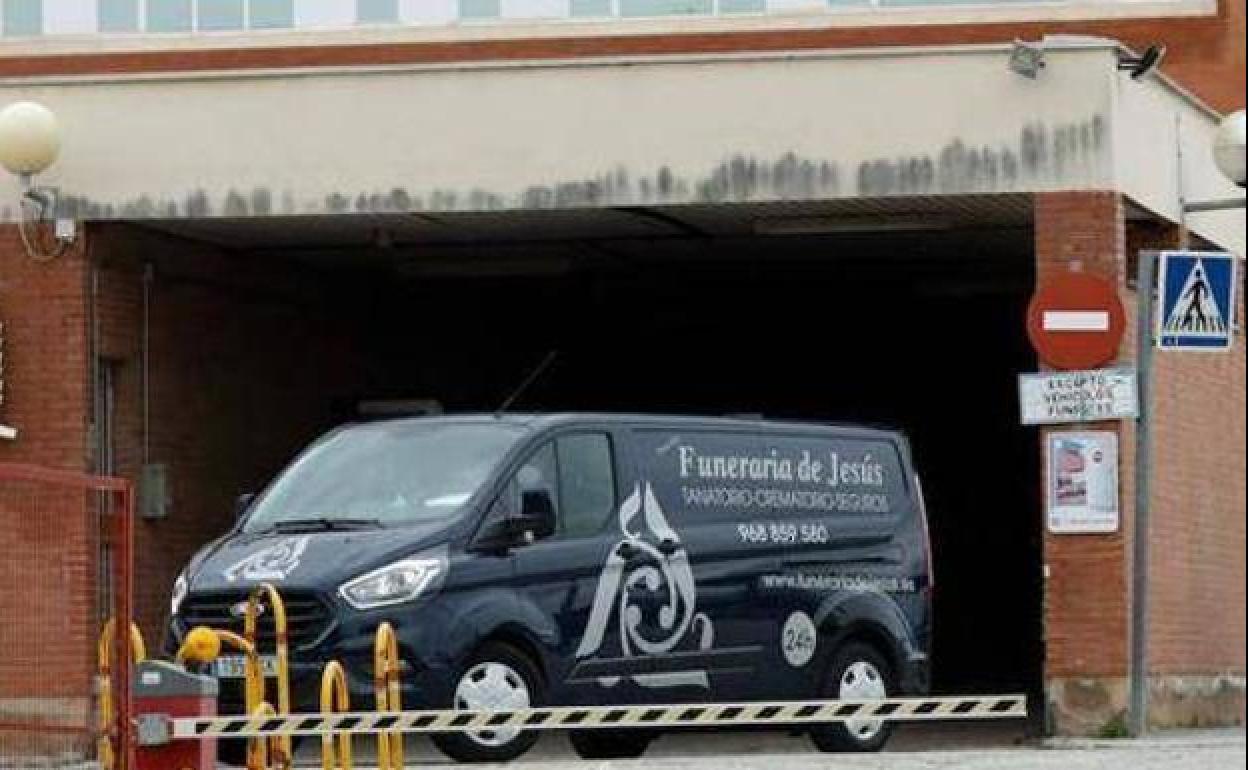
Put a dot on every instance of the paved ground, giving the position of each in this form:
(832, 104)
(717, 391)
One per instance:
(950, 748)
(947, 747)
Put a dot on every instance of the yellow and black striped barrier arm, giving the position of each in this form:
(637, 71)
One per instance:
(603, 717)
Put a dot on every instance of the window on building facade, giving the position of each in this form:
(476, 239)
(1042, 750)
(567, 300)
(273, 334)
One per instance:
(936, 3)
(22, 17)
(220, 14)
(271, 14)
(169, 16)
(479, 9)
(584, 8)
(665, 7)
(376, 11)
(590, 8)
(118, 15)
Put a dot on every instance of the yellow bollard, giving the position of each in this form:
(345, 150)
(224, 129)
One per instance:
(389, 695)
(257, 750)
(104, 745)
(335, 697)
(285, 757)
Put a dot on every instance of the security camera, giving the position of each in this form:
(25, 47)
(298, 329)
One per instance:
(1027, 59)
(1141, 65)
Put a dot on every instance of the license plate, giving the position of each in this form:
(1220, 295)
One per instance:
(235, 666)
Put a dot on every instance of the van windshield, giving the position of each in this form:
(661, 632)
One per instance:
(385, 474)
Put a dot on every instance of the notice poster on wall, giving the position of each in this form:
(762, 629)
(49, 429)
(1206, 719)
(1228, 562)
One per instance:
(1083, 482)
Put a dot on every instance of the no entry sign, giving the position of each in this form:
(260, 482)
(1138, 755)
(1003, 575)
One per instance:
(1075, 321)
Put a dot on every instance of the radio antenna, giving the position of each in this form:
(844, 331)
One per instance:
(533, 375)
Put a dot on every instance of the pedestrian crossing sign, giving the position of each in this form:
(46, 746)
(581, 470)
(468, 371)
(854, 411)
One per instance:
(1196, 300)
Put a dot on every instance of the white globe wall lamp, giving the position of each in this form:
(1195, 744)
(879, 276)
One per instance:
(30, 141)
(1228, 147)
(1228, 156)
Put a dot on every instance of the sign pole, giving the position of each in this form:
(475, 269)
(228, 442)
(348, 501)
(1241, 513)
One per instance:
(1138, 684)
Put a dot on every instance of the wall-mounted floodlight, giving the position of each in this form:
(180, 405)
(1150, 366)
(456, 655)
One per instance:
(1141, 65)
(30, 141)
(1027, 59)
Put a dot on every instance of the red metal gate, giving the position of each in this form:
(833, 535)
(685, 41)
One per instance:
(66, 545)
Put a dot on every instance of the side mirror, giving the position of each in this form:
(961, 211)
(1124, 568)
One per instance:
(242, 503)
(535, 520)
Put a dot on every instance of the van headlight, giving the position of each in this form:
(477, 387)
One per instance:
(396, 583)
(180, 589)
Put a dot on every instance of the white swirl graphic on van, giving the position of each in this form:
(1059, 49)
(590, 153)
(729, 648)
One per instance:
(273, 563)
(650, 556)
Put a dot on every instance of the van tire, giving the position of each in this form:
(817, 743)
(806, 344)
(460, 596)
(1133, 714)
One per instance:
(855, 665)
(610, 744)
(462, 747)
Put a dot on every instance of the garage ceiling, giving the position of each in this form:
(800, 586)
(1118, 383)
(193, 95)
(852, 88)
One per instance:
(458, 229)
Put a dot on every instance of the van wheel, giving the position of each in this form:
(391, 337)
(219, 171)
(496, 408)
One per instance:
(857, 672)
(497, 677)
(610, 744)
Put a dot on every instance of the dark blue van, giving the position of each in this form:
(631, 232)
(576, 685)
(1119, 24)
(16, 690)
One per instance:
(588, 559)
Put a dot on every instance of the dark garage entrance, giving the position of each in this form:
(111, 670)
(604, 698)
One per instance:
(902, 315)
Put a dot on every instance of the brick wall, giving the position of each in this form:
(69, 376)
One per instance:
(1196, 564)
(43, 308)
(48, 537)
(245, 361)
(1206, 53)
(1197, 552)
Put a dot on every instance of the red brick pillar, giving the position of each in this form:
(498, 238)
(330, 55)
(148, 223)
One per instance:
(1086, 601)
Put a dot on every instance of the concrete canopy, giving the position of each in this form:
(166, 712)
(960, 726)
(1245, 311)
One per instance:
(660, 131)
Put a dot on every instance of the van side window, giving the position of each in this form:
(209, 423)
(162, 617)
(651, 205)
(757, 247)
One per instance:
(586, 483)
(539, 471)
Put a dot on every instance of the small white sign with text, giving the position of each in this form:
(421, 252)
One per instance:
(1048, 398)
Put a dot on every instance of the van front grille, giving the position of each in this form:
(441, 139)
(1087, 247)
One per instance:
(307, 617)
